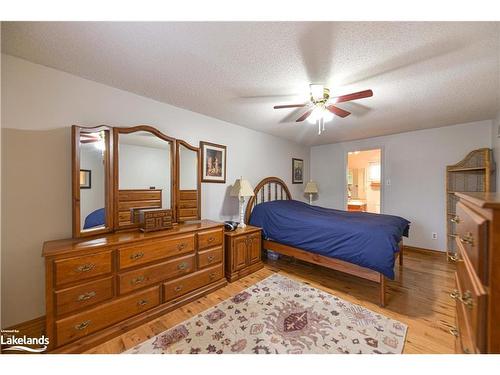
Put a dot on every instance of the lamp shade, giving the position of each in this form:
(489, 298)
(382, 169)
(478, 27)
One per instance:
(242, 188)
(311, 188)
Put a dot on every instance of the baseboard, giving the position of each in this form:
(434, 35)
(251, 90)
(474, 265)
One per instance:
(424, 250)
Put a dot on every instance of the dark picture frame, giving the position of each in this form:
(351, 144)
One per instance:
(297, 171)
(213, 162)
(85, 179)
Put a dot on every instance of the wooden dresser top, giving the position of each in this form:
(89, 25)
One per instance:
(59, 247)
(481, 199)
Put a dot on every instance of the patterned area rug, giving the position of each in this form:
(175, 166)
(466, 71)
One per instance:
(280, 315)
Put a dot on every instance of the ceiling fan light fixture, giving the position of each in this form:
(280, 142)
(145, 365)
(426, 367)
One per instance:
(320, 112)
(317, 92)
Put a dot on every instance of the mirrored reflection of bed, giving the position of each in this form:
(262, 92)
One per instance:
(358, 243)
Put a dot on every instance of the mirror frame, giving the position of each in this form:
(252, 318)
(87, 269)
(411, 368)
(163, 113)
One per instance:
(179, 143)
(127, 130)
(75, 180)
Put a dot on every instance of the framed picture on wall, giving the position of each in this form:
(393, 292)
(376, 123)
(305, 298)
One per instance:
(85, 178)
(213, 162)
(297, 171)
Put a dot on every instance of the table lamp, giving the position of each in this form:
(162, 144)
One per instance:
(311, 188)
(242, 189)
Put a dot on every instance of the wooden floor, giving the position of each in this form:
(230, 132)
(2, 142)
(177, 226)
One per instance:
(418, 297)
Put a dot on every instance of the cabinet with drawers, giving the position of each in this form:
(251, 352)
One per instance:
(96, 287)
(477, 276)
(243, 252)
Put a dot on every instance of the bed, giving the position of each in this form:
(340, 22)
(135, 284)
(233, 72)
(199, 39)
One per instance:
(95, 219)
(358, 243)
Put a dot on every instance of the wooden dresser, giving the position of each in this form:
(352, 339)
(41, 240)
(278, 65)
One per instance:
(98, 287)
(477, 276)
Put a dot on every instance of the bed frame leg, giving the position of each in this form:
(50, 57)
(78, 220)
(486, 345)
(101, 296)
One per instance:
(382, 291)
(401, 256)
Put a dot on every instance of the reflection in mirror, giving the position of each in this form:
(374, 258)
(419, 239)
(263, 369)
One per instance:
(188, 204)
(188, 168)
(92, 180)
(144, 173)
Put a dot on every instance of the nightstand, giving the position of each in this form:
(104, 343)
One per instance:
(243, 252)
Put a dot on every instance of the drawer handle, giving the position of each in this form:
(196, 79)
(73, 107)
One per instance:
(211, 239)
(455, 219)
(137, 280)
(467, 299)
(210, 258)
(137, 256)
(212, 275)
(455, 294)
(453, 257)
(142, 302)
(182, 266)
(178, 288)
(86, 296)
(467, 239)
(85, 267)
(454, 331)
(181, 246)
(83, 325)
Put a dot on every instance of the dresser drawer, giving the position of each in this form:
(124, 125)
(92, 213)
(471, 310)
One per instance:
(210, 257)
(210, 238)
(99, 317)
(139, 195)
(471, 296)
(472, 233)
(186, 284)
(132, 280)
(81, 268)
(464, 342)
(84, 295)
(154, 250)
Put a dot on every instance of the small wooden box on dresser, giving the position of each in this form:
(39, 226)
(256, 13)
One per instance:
(98, 287)
(243, 252)
(477, 276)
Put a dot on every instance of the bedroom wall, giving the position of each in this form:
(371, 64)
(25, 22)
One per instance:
(414, 166)
(38, 106)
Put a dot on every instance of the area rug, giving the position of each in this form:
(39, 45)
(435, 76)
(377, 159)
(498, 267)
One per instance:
(281, 316)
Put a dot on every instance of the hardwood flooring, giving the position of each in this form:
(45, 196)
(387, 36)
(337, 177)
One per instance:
(418, 297)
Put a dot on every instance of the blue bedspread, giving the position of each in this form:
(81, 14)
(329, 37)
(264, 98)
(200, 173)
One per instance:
(95, 219)
(366, 239)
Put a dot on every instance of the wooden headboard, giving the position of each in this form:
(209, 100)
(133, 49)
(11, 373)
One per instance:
(269, 189)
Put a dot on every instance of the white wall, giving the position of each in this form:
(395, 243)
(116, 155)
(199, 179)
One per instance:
(414, 162)
(45, 102)
(188, 169)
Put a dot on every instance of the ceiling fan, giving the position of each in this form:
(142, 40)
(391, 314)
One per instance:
(322, 107)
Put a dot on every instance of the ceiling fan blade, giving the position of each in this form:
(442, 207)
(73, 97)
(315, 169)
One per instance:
(353, 96)
(289, 106)
(338, 111)
(305, 115)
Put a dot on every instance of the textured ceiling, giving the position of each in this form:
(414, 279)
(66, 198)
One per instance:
(423, 74)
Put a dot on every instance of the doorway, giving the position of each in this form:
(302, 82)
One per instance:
(364, 180)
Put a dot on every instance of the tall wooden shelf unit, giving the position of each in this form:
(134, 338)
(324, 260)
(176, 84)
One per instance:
(474, 173)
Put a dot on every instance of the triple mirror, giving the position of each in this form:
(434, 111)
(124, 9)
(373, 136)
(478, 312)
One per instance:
(117, 171)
